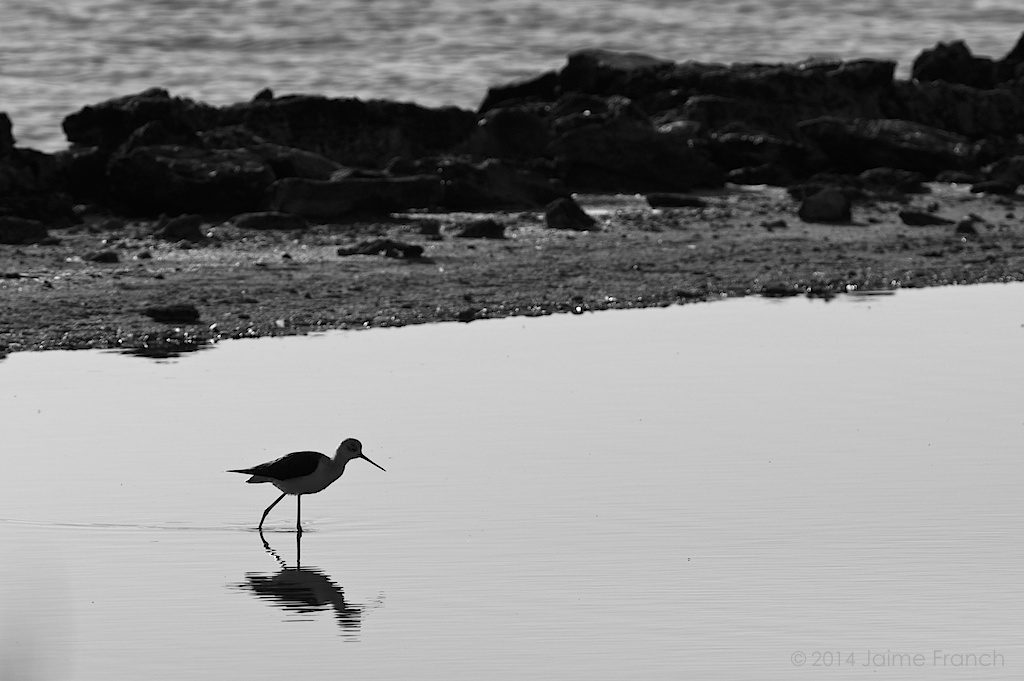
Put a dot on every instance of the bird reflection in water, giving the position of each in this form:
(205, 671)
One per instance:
(305, 590)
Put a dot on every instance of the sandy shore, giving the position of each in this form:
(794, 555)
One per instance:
(259, 283)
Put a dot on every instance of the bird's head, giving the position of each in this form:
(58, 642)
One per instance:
(352, 449)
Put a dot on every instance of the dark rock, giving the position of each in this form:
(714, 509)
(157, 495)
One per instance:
(269, 220)
(780, 289)
(958, 109)
(916, 218)
(31, 187)
(621, 151)
(315, 199)
(389, 248)
(489, 185)
(469, 314)
(767, 173)
(27, 171)
(672, 200)
(742, 150)
(347, 131)
(774, 98)
(954, 63)
(1009, 67)
(104, 256)
(494, 184)
(284, 161)
(428, 227)
(542, 88)
(162, 133)
(859, 144)
(565, 213)
(864, 75)
(21, 231)
(850, 185)
(751, 117)
(175, 179)
(519, 132)
(606, 72)
(110, 123)
(176, 313)
(82, 172)
(181, 228)
(353, 132)
(6, 135)
(396, 167)
(959, 176)
(966, 227)
(1009, 170)
(570, 107)
(107, 224)
(1004, 187)
(894, 180)
(829, 205)
(816, 87)
(291, 162)
(346, 173)
(485, 228)
(229, 137)
(684, 129)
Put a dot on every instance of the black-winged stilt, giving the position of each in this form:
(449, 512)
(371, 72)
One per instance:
(301, 473)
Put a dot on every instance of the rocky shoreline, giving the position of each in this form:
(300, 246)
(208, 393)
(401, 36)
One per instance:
(169, 223)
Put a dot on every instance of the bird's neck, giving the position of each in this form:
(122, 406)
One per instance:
(337, 467)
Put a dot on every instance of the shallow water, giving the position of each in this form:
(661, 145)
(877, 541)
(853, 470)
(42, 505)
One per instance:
(708, 491)
(59, 55)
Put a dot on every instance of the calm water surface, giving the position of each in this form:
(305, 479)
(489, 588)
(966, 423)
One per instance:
(710, 491)
(59, 55)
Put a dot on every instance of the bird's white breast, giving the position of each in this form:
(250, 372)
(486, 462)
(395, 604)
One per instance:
(317, 481)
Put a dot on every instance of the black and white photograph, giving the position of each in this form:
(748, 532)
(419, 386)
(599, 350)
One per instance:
(448, 341)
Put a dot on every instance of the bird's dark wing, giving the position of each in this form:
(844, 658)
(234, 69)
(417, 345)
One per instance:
(293, 465)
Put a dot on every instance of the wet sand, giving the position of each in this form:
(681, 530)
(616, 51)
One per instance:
(258, 283)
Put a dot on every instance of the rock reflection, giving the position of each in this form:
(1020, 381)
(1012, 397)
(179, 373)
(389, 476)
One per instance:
(304, 590)
(165, 345)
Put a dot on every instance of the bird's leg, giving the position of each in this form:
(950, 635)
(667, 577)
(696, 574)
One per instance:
(298, 517)
(268, 510)
(273, 554)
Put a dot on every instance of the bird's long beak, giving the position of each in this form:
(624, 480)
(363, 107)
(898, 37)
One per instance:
(363, 456)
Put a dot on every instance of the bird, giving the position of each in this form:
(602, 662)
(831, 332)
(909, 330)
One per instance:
(301, 473)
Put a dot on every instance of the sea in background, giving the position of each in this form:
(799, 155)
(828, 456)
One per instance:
(59, 55)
